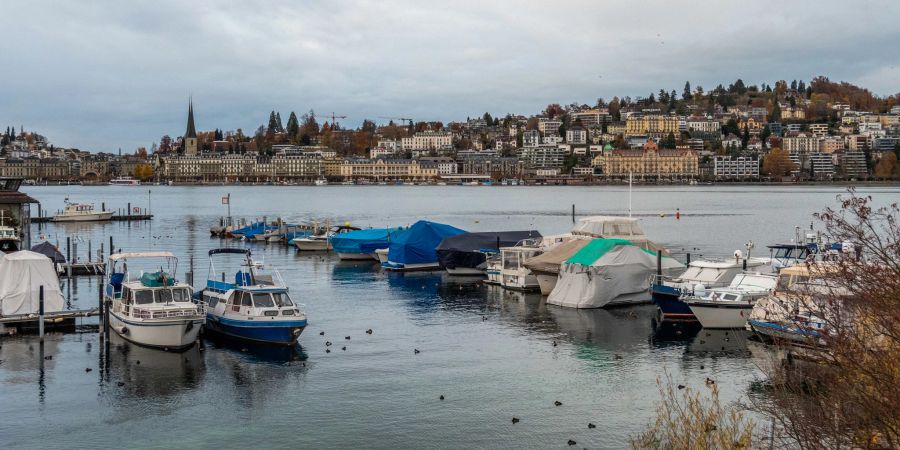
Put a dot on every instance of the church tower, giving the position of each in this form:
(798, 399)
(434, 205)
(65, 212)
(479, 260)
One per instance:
(190, 136)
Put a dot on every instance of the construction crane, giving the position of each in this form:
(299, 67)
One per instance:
(333, 117)
(403, 119)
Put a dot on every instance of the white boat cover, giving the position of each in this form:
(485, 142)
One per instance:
(21, 275)
(608, 272)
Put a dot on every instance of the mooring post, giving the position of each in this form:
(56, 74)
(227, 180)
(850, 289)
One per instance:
(111, 248)
(688, 259)
(103, 206)
(223, 277)
(41, 311)
(75, 251)
(90, 257)
(129, 208)
(745, 264)
(573, 213)
(106, 320)
(68, 249)
(659, 263)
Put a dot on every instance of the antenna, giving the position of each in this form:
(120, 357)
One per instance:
(629, 193)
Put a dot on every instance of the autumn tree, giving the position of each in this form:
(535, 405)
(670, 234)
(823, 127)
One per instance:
(143, 172)
(844, 393)
(141, 151)
(777, 163)
(553, 110)
(887, 166)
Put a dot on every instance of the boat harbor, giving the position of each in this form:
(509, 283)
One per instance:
(397, 303)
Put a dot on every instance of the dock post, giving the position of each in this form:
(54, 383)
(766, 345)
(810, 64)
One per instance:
(129, 208)
(223, 277)
(41, 311)
(68, 249)
(659, 263)
(103, 206)
(74, 252)
(106, 321)
(89, 258)
(745, 264)
(111, 248)
(573, 213)
(688, 259)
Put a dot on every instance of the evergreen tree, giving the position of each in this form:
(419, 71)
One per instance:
(686, 95)
(488, 119)
(293, 126)
(651, 100)
(764, 135)
(672, 100)
(278, 122)
(801, 86)
(794, 85)
(745, 138)
(775, 115)
(273, 123)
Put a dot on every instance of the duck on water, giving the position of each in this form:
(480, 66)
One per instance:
(254, 306)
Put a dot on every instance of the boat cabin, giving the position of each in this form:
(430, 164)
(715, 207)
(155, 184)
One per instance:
(513, 273)
(15, 216)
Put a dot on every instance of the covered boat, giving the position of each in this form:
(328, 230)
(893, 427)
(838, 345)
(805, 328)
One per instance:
(465, 254)
(362, 244)
(546, 265)
(607, 272)
(414, 249)
(22, 274)
(49, 250)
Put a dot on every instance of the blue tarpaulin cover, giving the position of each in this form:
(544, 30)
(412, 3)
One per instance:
(364, 241)
(417, 245)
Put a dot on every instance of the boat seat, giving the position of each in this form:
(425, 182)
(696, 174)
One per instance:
(115, 284)
(242, 279)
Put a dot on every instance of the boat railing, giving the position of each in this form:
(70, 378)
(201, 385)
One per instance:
(198, 309)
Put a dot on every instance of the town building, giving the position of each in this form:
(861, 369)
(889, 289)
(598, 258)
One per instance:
(428, 140)
(739, 168)
(648, 162)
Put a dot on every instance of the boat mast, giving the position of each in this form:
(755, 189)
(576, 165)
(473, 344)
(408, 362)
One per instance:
(629, 193)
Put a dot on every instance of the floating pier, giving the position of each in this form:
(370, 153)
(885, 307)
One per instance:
(51, 320)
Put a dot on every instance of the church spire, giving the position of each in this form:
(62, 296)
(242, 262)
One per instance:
(191, 132)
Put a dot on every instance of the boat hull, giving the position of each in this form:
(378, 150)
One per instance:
(466, 271)
(279, 333)
(95, 217)
(357, 256)
(546, 281)
(167, 335)
(399, 267)
(721, 314)
(668, 299)
(312, 245)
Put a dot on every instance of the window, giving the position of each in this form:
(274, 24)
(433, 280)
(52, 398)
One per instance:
(126, 295)
(163, 296)
(211, 301)
(245, 299)
(263, 301)
(181, 295)
(282, 299)
(143, 297)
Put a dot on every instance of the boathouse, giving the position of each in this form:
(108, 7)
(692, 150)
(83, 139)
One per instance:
(15, 211)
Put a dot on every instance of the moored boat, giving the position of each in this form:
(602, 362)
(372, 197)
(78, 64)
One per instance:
(730, 307)
(465, 254)
(414, 248)
(152, 309)
(321, 241)
(256, 306)
(513, 273)
(81, 212)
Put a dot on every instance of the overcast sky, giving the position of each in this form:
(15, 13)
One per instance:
(101, 75)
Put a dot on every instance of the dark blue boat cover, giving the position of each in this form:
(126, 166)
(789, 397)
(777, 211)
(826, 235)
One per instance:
(364, 241)
(463, 250)
(416, 245)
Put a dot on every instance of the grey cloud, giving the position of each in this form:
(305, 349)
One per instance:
(103, 75)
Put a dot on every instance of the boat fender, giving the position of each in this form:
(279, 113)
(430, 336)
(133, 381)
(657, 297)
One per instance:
(122, 330)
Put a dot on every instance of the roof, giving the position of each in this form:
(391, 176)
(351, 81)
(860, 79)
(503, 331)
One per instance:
(9, 192)
(191, 131)
(135, 255)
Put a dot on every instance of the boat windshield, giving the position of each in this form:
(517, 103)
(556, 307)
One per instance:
(143, 297)
(172, 295)
(282, 299)
(263, 300)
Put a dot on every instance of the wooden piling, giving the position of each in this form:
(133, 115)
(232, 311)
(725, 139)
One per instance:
(573, 213)
(688, 259)
(659, 263)
(41, 311)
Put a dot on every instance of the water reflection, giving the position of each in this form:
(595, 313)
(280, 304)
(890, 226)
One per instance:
(669, 333)
(720, 342)
(21, 357)
(148, 373)
(614, 328)
(255, 352)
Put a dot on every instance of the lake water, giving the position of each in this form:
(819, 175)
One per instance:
(491, 353)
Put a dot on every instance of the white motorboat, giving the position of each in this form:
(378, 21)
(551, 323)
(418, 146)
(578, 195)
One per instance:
(382, 255)
(9, 239)
(124, 181)
(791, 313)
(151, 308)
(513, 273)
(321, 241)
(493, 267)
(81, 212)
(321, 181)
(730, 307)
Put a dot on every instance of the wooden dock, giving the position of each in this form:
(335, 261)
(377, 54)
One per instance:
(83, 268)
(114, 218)
(53, 320)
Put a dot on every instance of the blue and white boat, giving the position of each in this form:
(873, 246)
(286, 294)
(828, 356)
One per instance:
(254, 305)
(668, 293)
